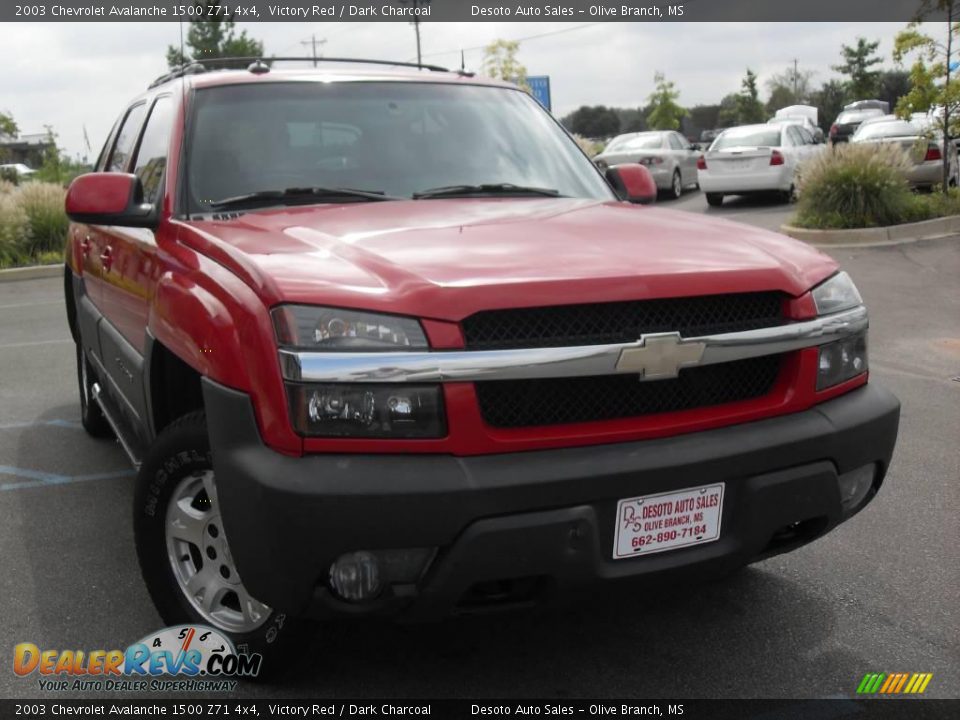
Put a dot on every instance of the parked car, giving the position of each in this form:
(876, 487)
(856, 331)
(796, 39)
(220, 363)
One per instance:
(754, 159)
(848, 121)
(814, 131)
(365, 368)
(670, 158)
(19, 169)
(922, 145)
(708, 136)
(805, 115)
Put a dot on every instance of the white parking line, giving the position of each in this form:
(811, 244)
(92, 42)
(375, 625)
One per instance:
(34, 304)
(38, 342)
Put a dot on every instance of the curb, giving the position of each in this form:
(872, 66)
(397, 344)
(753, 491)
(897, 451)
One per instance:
(937, 228)
(32, 272)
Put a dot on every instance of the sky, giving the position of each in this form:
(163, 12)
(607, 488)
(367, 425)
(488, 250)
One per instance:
(76, 75)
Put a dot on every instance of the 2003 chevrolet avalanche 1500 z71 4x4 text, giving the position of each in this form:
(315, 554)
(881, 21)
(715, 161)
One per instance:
(386, 342)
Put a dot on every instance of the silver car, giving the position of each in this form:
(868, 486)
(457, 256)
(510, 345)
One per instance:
(669, 157)
(924, 146)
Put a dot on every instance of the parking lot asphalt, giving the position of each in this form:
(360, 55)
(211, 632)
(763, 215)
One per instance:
(766, 211)
(879, 594)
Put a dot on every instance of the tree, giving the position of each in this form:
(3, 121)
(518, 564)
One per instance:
(500, 62)
(892, 85)
(631, 119)
(930, 82)
(791, 87)
(55, 165)
(829, 101)
(727, 116)
(8, 126)
(214, 38)
(749, 107)
(598, 121)
(665, 113)
(857, 61)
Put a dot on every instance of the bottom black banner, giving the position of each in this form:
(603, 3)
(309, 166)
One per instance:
(687, 710)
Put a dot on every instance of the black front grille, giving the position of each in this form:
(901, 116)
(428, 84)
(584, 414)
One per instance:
(602, 323)
(526, 403)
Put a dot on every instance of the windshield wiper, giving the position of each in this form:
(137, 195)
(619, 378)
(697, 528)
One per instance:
(484, 189)
(300, 194)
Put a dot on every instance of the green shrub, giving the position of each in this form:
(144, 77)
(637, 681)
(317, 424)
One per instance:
(46, 219)
(13, 230)
(856, 186)
(33, 224)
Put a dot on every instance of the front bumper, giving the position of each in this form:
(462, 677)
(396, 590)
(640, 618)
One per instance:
(538, 520)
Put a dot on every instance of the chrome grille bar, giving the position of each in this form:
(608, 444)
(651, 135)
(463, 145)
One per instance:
(652, 357)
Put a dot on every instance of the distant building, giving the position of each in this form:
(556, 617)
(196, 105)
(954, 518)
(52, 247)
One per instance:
(26, 149)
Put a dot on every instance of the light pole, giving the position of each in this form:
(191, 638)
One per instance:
(416, 5)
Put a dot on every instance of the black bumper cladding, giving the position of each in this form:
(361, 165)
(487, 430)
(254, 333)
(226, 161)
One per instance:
(510, 528)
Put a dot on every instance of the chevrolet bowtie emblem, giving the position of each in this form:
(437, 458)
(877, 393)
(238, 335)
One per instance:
(660, 356)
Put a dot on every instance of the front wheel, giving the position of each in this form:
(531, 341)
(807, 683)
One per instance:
(184, 555)
(714, 199)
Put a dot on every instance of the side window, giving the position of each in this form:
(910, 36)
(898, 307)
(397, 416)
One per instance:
(100, 164)
(675, 142)
(806, 135)
(125, 139)
(152, 153)
(789, 136)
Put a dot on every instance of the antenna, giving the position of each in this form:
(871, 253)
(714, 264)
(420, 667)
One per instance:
(463, 62)
(183, 131)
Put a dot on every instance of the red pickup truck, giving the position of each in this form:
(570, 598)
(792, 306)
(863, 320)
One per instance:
(392, 334)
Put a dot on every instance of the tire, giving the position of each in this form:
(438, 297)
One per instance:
(676, 185)
(714, 199)
(178, 467)
(788, 196)
(91, 416)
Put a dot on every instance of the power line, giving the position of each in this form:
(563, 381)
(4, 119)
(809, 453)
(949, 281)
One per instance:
(519, 39)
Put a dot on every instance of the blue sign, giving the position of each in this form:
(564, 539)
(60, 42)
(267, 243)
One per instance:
(540, 87)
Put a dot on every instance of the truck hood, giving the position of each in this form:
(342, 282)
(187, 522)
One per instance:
(447, 259)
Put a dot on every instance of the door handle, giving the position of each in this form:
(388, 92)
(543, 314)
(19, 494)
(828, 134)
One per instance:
(106, 258)
(85, 246)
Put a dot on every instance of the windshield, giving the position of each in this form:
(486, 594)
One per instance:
(894, 128)
(395, 138)
(758, 136)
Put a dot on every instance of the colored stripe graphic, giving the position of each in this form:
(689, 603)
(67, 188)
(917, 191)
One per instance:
(894, 683)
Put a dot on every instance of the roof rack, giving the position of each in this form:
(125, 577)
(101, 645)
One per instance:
(257, 63)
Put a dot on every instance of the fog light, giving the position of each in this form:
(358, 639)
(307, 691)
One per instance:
(855, 486)
(842, 360)
(355, 576)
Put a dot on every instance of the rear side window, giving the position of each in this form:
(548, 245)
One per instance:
(126, 138)
(675, 142)
(152, 155)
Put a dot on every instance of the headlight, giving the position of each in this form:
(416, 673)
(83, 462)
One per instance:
(367, 410)
(842, 360)
(363, 410)
(836, 294)
(308, 327)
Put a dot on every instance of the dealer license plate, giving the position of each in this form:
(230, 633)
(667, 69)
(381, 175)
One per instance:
(667, 521)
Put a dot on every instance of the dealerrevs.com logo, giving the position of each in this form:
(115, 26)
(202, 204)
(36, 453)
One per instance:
(204, 657)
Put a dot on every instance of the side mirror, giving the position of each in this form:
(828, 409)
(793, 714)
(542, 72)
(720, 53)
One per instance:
(109, 199)
(632, 183)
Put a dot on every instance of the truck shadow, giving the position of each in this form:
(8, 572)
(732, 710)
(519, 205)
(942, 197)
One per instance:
(740, 637)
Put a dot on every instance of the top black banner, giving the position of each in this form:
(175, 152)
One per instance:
(471, 10)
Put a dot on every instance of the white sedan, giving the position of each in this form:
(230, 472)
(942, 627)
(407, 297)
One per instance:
(754, 159)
